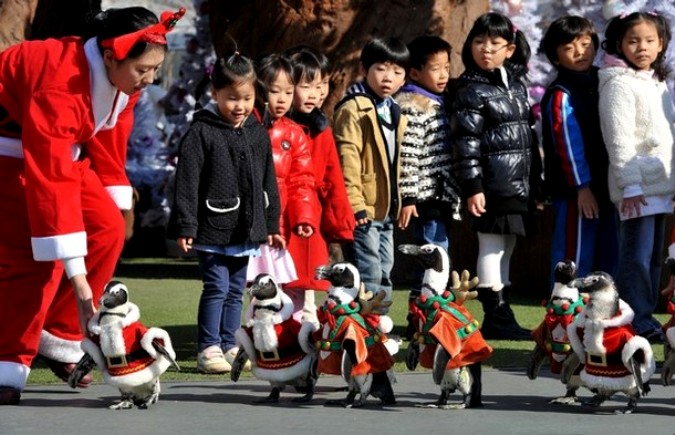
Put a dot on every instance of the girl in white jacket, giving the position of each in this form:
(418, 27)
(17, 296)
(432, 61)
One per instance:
(637, 120)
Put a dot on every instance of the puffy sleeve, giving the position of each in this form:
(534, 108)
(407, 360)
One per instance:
(466, 129)
(53, 193)
(302, 200)
(107, 151)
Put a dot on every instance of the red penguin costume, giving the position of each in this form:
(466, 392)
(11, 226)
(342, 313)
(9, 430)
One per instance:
(63, 139)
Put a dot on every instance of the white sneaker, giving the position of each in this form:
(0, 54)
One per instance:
(212, 361)
(231, 354)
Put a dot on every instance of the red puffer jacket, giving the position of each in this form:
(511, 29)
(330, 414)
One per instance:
(295, 176)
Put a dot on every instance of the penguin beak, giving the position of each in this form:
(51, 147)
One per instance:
(582, 283)
(323, 272)
(409, 249)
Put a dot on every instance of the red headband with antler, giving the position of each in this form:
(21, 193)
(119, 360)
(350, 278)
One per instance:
(155, 34)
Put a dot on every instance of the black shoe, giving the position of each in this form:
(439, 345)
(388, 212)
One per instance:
(503, 329)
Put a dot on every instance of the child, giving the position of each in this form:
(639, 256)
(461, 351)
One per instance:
(300, 210)
(494, 146)
(637, 126)
(368, 130)
(337, 222)
(226, 204)
(430, 194)
(586, 224)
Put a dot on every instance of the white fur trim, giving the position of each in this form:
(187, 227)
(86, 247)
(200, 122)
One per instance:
(296, 371)
(386, 324)
(160, 334)
(625, 318)
(639, 343)
(305, 337)
(391, 346)
(121, 195)
(59, 247)
(605, 383)
(59, 349)
(575, 341)
(103, 93)
(13, 374)
(244, 340)
(670, 335)
(287, 307)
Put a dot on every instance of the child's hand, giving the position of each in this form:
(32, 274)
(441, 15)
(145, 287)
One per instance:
(588, 206)
(305, 231)
(362, 221)
(407, 213)
(630, 207)
(476, 204)
(276, 241)
(184, 243)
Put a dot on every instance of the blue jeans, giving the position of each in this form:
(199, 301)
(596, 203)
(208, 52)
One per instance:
(434, 232)
(220, 305)
(639, 273)
(373, 254)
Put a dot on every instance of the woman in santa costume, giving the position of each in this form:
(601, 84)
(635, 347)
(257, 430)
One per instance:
(66, 111)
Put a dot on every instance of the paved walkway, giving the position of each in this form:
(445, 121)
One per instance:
(513, 405)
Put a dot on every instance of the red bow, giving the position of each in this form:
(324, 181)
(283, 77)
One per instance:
(155, 34)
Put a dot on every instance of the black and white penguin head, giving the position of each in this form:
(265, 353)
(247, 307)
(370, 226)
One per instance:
(345, 281)
(115, 294)
(603, 295)
(436, 264)
(564, 273)
(265, 292)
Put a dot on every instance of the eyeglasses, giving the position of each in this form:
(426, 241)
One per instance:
(487, 47)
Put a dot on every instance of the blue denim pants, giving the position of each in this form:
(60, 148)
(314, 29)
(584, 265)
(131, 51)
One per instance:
(639, 276)
(220, 305)
(373, 254)
(425, 232)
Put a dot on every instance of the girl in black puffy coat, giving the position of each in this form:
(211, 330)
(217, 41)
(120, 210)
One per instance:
(496, 157)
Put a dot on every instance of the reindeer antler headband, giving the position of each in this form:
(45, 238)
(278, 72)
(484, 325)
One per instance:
(155, 34)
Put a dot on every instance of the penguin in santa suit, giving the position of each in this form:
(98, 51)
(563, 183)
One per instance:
(352, 340)
(277, 344)
(447, 338)
(131, 356)
(614, 358)
(551, 341)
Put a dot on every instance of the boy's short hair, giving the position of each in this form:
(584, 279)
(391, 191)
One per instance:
(565, 30)
(423, 47)
(379, 50)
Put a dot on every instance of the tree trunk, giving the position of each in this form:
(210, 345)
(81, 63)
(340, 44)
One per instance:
(339, 28)
(16, 17)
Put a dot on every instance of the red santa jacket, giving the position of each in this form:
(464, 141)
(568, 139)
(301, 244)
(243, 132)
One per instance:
(295, 176)
(58, 97)
(288, 351)
(135, 359)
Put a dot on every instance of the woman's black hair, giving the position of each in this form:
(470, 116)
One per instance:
(493, 24)
(324, 63)
(379, 50)
(306, 66)
(269, 68)
(114, 22)
(232, 69)
(565, 30)
(618, 26)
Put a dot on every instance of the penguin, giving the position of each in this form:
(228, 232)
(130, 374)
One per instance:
(130, 356)
(551, 341)
(352, 340)
(447, 338)
(615, 359)
(278, 346)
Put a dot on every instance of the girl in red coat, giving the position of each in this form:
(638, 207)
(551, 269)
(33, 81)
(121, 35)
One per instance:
(337, 219)
(66, 110)
(300, 212)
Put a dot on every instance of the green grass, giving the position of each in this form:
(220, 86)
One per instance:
(167, 293)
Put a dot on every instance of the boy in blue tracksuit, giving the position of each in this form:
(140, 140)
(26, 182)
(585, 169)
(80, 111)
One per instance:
(576, 162)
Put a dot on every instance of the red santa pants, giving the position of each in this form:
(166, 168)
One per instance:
(37, 294)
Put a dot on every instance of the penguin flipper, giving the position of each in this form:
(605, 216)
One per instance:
(642, 387)
(348, 359)
(441, 360)
(668, 369)
(569, 366)
(537, 359)
(159, 347)
(85, 365)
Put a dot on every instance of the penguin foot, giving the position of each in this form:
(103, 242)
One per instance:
(124, 404)
(565, 400)
(272, 398)
(594, 401)
(309, 394)
(630, 408)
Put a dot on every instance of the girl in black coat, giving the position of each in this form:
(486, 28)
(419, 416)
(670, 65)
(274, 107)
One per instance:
(494, 146)
(226, 204)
